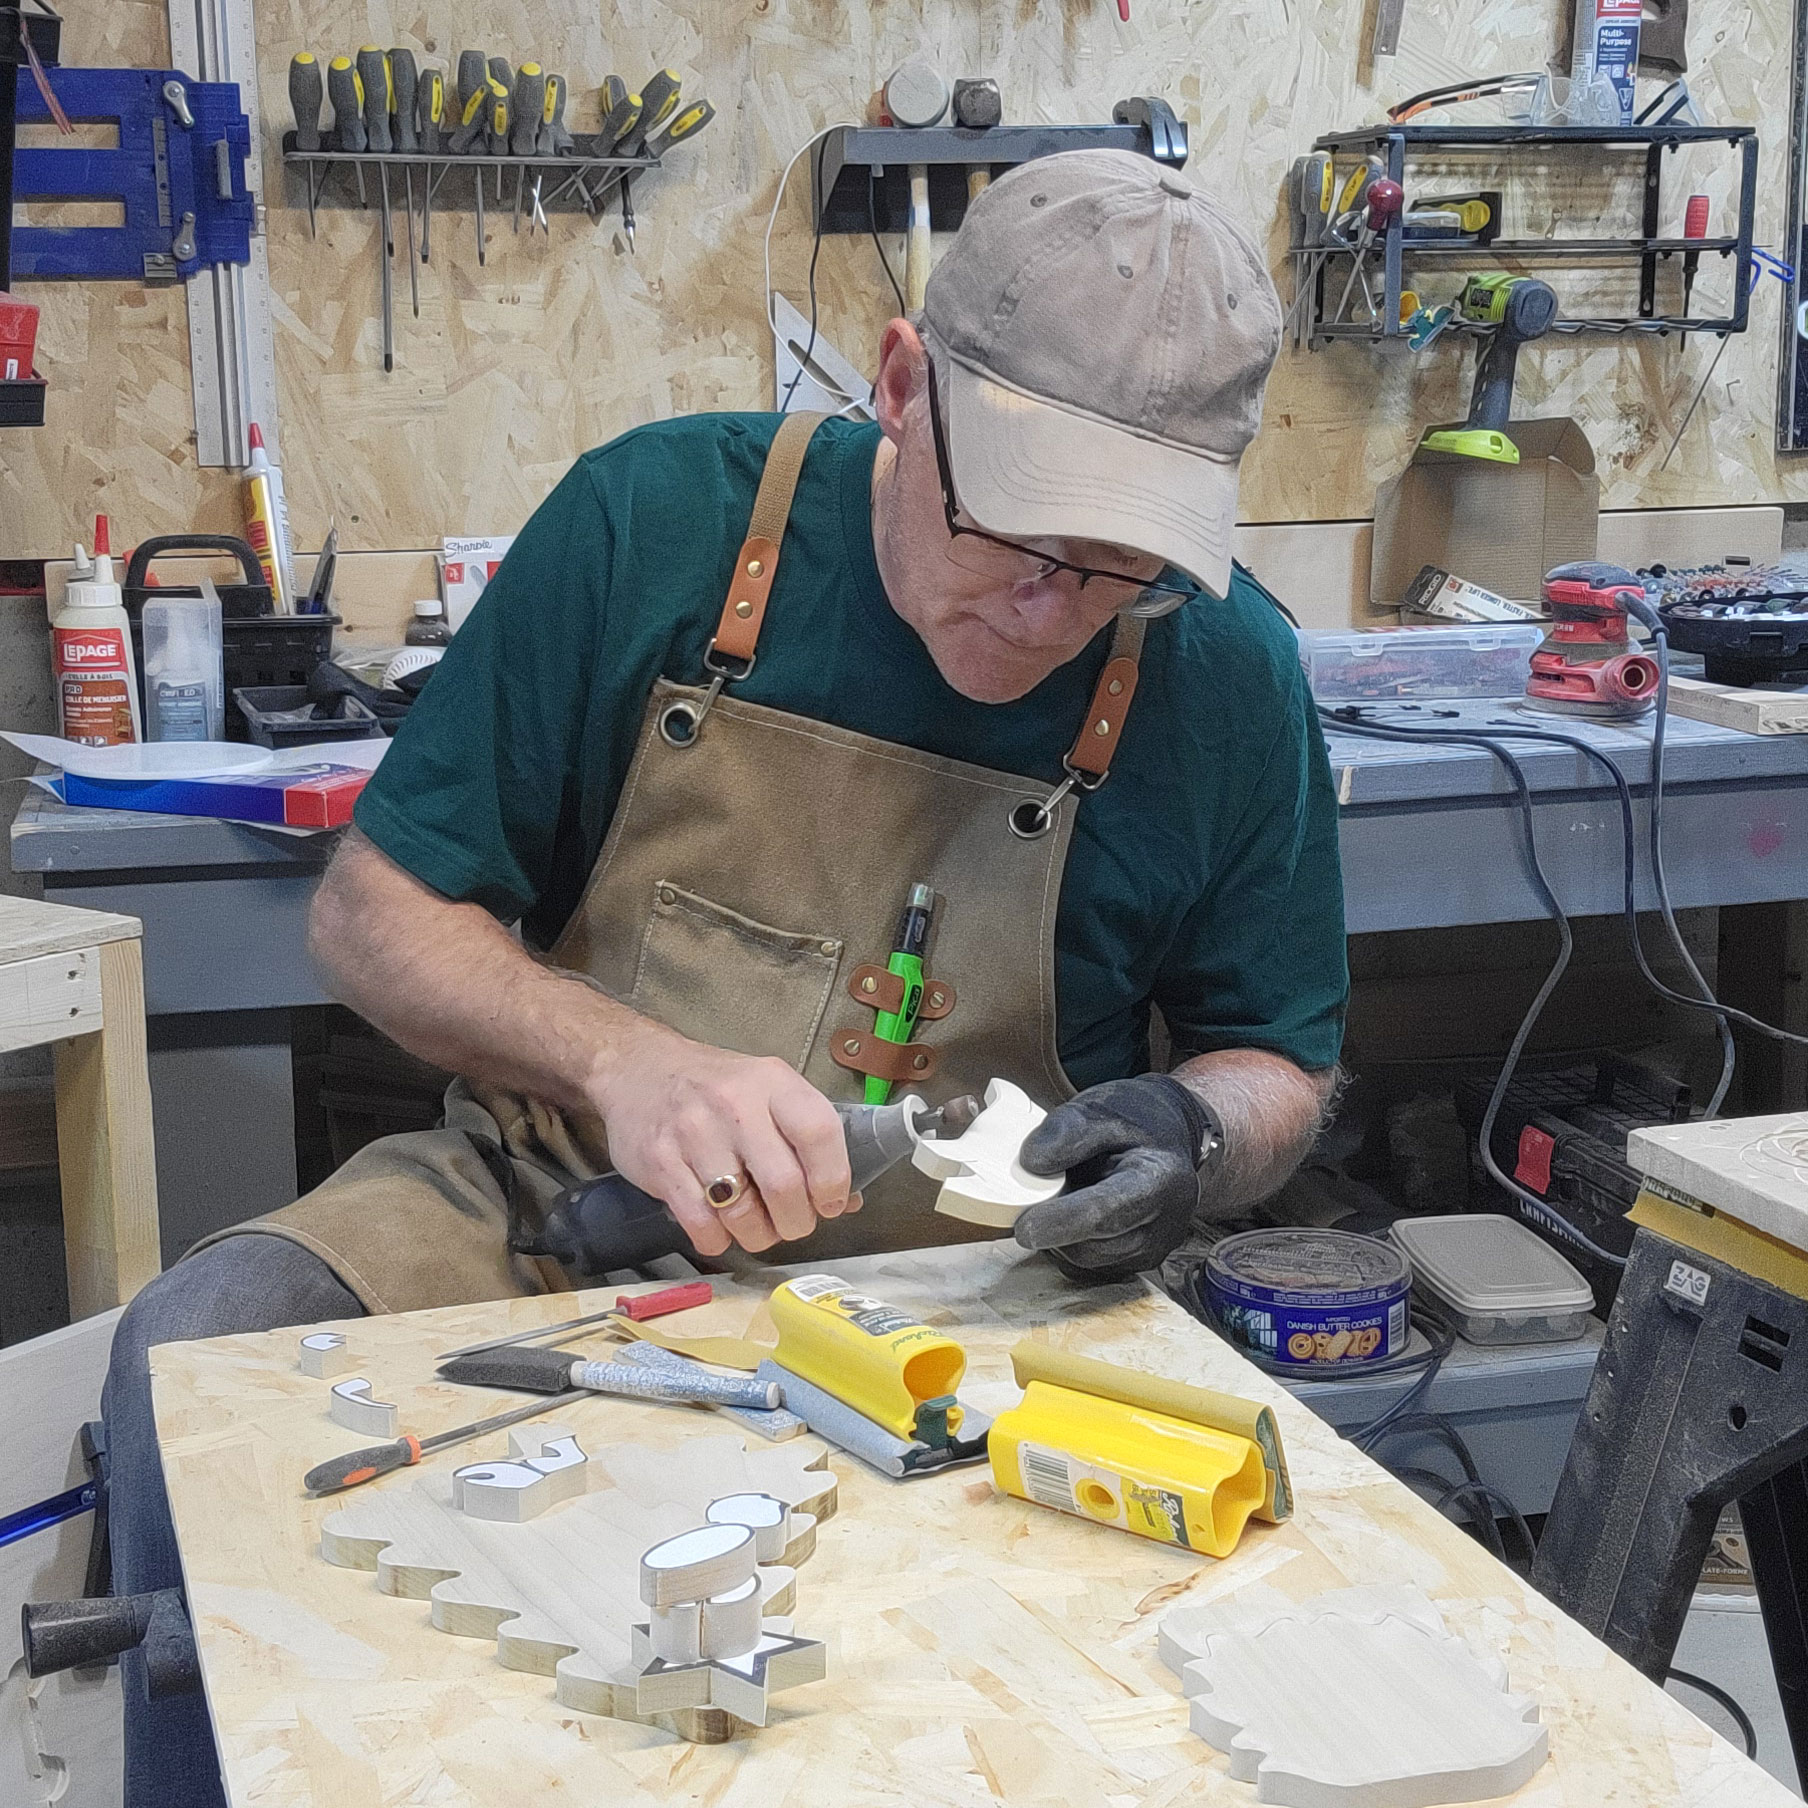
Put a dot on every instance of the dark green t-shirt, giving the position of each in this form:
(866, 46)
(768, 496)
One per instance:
(1203, 877)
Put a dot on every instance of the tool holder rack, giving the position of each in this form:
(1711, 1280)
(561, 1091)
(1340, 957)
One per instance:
(863, 178)
(21, 401)
(1390, 254)
(564, 178)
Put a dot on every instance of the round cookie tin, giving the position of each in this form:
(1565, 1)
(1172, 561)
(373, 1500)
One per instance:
(1310, 1299)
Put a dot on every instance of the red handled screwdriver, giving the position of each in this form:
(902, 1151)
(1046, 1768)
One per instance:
(1694, 226)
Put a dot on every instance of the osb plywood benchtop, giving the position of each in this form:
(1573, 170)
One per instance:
(979, 1650)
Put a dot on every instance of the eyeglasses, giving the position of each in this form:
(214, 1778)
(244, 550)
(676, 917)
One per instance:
(1017, 561)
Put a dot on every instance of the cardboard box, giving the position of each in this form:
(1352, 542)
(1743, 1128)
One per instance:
(466, 565)
(1502, 526)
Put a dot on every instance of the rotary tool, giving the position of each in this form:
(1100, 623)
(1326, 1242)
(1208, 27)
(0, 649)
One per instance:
(609, 1223)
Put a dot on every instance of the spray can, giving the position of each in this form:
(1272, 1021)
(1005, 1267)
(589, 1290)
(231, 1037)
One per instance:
(91, 652)
(267, 524)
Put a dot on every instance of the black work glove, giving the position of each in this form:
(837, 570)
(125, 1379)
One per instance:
(1133, 1152)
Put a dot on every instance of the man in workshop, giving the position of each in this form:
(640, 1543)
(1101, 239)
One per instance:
(733, 694)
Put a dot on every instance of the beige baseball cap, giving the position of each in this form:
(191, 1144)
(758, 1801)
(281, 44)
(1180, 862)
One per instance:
(1103, 331)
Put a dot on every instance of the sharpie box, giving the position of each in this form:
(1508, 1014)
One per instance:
(303, 797)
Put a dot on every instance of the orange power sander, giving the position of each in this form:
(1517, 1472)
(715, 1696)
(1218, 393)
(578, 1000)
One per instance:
(1585, 664)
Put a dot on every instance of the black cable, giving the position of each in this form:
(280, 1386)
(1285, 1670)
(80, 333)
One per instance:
(803, 363)
(872, 220)
(1714, 1692)
(1443, 1341)
(1535, 1207)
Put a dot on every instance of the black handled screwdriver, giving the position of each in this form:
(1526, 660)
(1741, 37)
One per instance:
(403, 79)
(527, 109)
(346, 93)
(373, 75)
(305, 92)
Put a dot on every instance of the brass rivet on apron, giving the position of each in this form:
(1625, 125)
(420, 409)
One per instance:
(869, 984)
(828, 947)
(851, 1046)
(667, 895)
(1115, 687)
(920, 1063)
(755, 568)
(1101, 728)
(935, 998)
(743, 608)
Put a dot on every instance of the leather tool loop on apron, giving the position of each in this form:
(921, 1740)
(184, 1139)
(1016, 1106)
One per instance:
(883, 991)
(731, 652)
(902, 1063)
(1088, 762)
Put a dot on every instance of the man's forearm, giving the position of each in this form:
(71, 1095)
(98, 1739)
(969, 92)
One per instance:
(1270, 1109)
(454, 987)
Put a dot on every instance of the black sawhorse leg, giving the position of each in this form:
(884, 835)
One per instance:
(1700, 1398)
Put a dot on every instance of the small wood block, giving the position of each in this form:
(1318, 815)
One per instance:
(676, 1632)
(669, 1299)
(353, 1407)
(712, 1560)
(731, 1621)
(768, 1518)
(983, 1182)
(323, 1355)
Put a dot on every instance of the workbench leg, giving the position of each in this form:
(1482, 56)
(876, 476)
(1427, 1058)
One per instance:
(105, 1149)
(1775, 1518)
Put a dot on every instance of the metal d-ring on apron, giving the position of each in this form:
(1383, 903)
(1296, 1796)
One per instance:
(730, 656)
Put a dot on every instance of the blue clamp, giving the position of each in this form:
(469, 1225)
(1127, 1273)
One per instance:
(179, 171)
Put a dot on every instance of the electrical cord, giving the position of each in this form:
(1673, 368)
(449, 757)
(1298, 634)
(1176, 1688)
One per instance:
(803, 363)
(1714, 1692)
(872, 221)
(1442, 1341)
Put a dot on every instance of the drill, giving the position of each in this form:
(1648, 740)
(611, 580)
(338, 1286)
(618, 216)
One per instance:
(608, 1223)
(1585, 665)
(1519, 309)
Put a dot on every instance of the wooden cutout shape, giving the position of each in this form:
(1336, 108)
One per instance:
(561, 1594)
(769, 1520)
(696, 1564)
(323, 1355)
(353, 1407)
(983, 1182)
(546, 1465)
(1358, 1698)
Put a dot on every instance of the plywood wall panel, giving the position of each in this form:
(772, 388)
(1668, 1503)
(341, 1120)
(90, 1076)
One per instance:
(561, 342)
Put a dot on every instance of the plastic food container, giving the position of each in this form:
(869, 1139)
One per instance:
(1309, 1299)
(1388, 664)
(1497, 1281)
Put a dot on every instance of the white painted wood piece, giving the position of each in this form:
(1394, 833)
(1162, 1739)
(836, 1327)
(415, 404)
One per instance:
(353, 1407)
(49, 997)
(697, 1564)
(1755, 711)
(546, 1466)
(323, 1355)
(1753, 1170)
(1358, 1698)
(30, 927)
(983, 1182)
(767, 1517)
(560, 1594)
(59, 1737)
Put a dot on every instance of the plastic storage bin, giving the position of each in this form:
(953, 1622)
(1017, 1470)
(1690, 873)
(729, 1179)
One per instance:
(282, 715)
(1496, 1281)
(1355, 666)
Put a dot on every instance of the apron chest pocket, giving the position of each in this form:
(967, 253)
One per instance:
(725, 979)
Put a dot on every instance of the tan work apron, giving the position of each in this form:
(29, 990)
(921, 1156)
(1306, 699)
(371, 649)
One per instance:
(747, 895)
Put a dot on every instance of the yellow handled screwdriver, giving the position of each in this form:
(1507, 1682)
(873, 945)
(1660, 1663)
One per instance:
(346, 93)
(305, 91)
(527, 111)
(429, 117)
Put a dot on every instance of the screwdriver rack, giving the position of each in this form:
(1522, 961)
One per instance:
(578, 180)
(1391, 252)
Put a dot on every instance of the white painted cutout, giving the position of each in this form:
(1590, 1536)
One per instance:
(768, 1519)
(323, 1355)
(547, 1466)
(696, 1565)
(983, 1182)
(353, 1407)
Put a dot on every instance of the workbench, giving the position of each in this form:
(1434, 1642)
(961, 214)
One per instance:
(1430, 837)
(980, 1650)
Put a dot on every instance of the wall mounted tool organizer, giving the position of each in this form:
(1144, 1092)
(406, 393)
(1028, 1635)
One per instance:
(578, 180)
(25, 32)
(1395, 250)
(178, 170)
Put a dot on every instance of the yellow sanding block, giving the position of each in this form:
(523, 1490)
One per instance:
(1228, 1413)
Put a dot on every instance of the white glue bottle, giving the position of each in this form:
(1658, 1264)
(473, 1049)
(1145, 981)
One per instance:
(91, 651)
(184, 690)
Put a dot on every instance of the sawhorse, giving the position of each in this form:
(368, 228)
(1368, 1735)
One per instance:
(1700, 1398)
